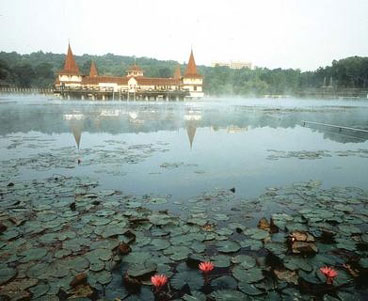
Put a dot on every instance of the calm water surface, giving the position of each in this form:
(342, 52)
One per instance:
(180, 150)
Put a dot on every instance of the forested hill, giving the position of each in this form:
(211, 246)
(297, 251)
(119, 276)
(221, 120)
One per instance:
(39, 69)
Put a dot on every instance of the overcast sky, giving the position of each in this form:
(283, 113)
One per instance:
(301, 34)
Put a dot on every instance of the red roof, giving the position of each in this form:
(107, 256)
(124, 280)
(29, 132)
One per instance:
(191, 70)
(70, 66)
(93, 71)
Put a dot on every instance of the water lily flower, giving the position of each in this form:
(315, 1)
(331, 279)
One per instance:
(206, 266)
(159, 281)
(330, 273)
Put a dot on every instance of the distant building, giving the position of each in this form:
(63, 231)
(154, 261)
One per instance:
(233, 64)
(70, 79)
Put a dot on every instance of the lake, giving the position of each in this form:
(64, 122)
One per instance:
(225, 162)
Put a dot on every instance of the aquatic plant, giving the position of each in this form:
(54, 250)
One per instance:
(206, 267)
(330, 273)
(159, 281)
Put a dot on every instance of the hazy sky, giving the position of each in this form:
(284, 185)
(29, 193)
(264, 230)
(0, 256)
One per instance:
(301, 34)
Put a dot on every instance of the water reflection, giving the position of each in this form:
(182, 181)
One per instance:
(192, 119)
(75, 122)
(183, 149)
(147, 117)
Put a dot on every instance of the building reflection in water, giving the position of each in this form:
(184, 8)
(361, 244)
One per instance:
(76, 123)
(192, 120)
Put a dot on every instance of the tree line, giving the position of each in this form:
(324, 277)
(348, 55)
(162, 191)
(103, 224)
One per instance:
(39, 70)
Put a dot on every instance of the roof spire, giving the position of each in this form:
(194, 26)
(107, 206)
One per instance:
(191, 67)
(70, 66)
(93, 70)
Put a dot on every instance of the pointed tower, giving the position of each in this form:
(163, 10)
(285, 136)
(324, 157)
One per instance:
(191, 70)
(69, 77)
(93, 70)
(70, 65)
(192, 80)
(177, 73)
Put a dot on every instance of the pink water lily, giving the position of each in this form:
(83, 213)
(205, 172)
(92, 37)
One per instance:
(330, 273)
(206, 266)
(159, 281)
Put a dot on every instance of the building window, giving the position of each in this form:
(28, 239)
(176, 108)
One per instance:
(195, 88)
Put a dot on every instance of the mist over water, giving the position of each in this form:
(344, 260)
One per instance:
(179, 150)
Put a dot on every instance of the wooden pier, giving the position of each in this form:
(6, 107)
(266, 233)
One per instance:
(24, 91)
(110, 94)
(99, 94)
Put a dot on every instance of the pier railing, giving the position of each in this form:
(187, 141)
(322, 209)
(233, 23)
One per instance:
(14, 90)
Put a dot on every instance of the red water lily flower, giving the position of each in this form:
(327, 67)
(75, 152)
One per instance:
(159, 281)
(206, 266)
(330, 273)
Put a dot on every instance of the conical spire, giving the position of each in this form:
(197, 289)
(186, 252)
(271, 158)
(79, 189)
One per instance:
(93, 70)
(191, 67)
(70, 66)
(177, 73)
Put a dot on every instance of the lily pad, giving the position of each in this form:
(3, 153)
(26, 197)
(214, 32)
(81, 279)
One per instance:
(160, 244)
(33, 254)
(193, 279)
(227, 246)
(158, 201)
(228, 295)
(224, 282)
(136, 257)
(195, 296)
(249, 289)
(245, 261)
(250, 276)
(7, 274)
(221, 261)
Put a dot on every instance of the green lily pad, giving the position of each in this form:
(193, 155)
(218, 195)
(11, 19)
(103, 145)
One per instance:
(198, 247)
(33, 254)
(136, 257)
(139, 270)
(39, 290)
(195, 296)
(245, 261)
(247, 275)
(227, 246)
(104, 277)
(221, 217)
(36, 270)
(158, 201)
(97, 266)
(344, 208)
(7, 274)
(177, 252)
(257, 234)
(249, 289)
(221, 261)
(193, 279)
(224, 282)
(78, 264)
(160, 244)
(62, 253)
(254, 245)
(295, 263)
(228, 295)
